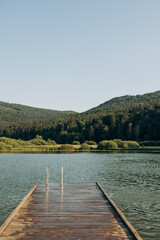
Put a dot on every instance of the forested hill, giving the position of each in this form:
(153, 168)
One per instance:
(127, 118)
(15, 112)
(121, 104)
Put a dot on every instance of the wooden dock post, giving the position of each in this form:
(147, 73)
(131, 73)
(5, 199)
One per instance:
(62, 180)
(47, 177)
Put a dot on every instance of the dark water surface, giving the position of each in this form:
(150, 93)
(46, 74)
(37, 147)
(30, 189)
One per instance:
(132, 181)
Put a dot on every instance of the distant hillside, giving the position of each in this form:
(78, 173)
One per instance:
(127, 118)
(121, 104)
(15, 112)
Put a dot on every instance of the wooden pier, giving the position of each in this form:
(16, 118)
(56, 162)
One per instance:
(79, 212)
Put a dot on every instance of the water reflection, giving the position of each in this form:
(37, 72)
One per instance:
(131, 180)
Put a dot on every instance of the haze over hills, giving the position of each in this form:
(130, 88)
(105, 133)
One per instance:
(10, 112)
(126, 118)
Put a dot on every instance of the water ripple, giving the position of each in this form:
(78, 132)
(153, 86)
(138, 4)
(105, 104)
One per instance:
(131, 180)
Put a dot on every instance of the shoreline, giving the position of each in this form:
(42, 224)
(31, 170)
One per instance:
(75, 150)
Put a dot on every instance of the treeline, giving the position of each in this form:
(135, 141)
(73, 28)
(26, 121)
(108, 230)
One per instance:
(139, 122)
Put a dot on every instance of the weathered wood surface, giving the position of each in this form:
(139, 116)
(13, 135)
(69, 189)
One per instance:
(81, 213)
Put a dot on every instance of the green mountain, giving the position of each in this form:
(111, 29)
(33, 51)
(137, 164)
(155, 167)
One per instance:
(121, 104)
(15, 112)
(127, 118)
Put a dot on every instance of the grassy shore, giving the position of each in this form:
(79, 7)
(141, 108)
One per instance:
(47, 149)
(38, 145)
(74, 149)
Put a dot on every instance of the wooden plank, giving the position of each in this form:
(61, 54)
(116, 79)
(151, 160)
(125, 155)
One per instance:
(83, 213)
(67, 237)
(9, 219)
(121, 215)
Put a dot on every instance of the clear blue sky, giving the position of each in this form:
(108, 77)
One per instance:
(70, 54)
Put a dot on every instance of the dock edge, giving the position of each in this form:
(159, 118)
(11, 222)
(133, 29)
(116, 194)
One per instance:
(15, 211)
(132, 230)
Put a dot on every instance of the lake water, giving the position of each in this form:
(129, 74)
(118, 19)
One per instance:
(131, 180)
